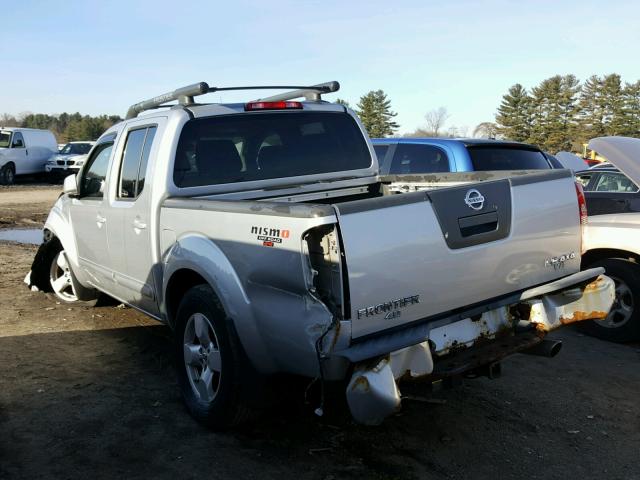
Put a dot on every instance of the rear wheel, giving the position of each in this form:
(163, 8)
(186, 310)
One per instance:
(209, 361)
(622, 324)
(8, 174)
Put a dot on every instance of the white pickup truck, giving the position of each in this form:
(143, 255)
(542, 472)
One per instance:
(262, 235)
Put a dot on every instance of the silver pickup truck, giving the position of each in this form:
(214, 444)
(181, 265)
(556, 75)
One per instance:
(262, 235)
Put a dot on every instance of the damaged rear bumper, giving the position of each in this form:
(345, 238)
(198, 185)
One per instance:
(444, 348)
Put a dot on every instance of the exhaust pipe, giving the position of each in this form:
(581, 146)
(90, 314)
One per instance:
(546, 348)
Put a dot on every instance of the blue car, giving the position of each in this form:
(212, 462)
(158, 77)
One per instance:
(403, 156)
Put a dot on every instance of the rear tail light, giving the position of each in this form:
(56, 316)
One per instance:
(272, 106)
(582, 211)
(582, 204)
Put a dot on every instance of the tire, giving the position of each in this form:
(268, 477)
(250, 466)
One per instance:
(623, 322)
(8, 174)
(210, 362)
(51, 272)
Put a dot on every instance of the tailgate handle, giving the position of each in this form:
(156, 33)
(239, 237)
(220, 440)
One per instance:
(477, 224)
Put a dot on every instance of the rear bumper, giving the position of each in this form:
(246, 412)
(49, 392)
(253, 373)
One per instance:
(438, 349)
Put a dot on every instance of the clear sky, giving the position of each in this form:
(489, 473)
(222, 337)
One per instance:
(100, 57)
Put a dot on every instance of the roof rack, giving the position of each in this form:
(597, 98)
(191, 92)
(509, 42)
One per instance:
(185, 95)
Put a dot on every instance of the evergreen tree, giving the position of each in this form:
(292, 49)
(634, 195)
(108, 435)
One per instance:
(591, 114)
(554, 106)
(514, 114)
(374, 110)
(631, 95)
(342, 102)
(68, 128)
(613, 104)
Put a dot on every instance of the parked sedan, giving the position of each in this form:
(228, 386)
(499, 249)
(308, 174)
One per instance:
(405, 156)
(69, 159)
(608, 190)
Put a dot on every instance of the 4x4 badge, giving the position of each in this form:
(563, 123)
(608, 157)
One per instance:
(474, 199)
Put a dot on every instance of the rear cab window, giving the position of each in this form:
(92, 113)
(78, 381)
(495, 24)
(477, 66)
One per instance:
(259, 146)
(417, 158)
(506, 158)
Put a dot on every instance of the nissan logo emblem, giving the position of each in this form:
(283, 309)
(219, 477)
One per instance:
(474, 199)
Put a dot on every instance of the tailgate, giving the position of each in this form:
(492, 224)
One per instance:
(415, 255)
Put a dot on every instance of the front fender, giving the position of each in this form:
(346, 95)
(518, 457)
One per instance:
(200, 254)
(59, 224)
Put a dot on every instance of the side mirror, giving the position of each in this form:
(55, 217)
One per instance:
(70, 186)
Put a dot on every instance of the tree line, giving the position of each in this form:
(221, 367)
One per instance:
(561, 113)
(67, 127)
(377, 116)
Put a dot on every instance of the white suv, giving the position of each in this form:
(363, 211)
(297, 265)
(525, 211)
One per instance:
(69, 159)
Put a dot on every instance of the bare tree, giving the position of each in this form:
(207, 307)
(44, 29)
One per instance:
(436, 120)
(7, 120)
(485, 130)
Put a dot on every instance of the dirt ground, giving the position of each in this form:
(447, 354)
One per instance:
(91, 393)
(26, 205)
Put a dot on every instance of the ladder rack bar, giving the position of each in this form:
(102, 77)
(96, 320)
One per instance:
(185, 95)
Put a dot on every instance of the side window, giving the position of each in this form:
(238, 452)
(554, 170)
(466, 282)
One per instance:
(18, 141)
(381, 152)
(416, 158)
(95, 172)
(134, 162)
(615, 182)
(142, 171)
(584, 179)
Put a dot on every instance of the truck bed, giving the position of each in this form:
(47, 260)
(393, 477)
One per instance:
(405, 256)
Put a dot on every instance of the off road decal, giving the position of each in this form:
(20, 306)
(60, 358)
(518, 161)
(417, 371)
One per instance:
(269, 236)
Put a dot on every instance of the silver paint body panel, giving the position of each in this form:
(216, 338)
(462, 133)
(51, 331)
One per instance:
(390, 252)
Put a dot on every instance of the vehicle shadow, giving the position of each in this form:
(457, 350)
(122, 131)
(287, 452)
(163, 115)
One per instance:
(105, 404)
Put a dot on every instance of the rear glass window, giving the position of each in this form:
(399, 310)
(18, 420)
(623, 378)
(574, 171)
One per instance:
(497, 158)
(247, 147)
(416, 158)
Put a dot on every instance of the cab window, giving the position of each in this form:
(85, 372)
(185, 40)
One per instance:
(416, 158)
(134, 162)
(95, 172)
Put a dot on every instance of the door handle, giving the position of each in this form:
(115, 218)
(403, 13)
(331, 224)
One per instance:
(138, 224)
(100, 220)
(26, 151)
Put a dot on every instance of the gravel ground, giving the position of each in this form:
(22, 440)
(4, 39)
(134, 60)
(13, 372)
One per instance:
(91, 393)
